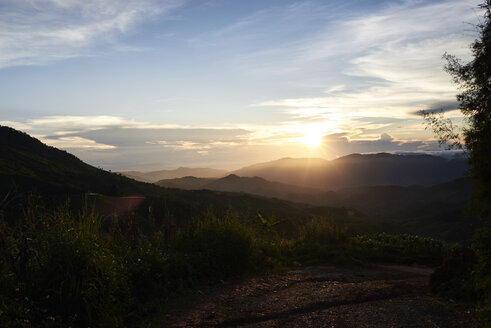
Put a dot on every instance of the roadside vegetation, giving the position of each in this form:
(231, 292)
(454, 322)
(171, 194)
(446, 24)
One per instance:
(65, 267)
(467, 273)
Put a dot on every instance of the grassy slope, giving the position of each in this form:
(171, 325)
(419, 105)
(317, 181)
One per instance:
(60, 268)
(28, 164)
(436, 211)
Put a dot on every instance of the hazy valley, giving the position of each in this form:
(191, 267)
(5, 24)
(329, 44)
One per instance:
(340, 211)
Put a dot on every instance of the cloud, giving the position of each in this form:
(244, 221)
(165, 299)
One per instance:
(340, 144)
(111, 132)
(439, 107)
(201, 148)
(386, 63)
(15, 125)
(117, 143)
(41, 31)
(75, 143)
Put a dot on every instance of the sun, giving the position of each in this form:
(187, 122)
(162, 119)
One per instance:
(313, 138)
(311, 135)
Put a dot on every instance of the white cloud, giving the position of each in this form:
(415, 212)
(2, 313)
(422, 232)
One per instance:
(16, 125)
(41, 31)
(68, 122)
(386, 64)
(341, 144)
(200, 147)
(75, 143)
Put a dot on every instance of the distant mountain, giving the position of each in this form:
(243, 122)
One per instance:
(254, 185)
(437, 210)
(28, 164)
(359, 170)
(180, 172)
(374, 200)
(428, 210)
(186, 183)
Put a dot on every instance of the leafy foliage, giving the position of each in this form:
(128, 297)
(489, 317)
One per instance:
(56, 267)
(63, 268)
(474, 81)
(27, 164)
(447, 132)
(403, 248)
(454, 278)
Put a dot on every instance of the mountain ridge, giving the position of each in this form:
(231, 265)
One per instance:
(28, 164)
(180, 172)
(356, 170)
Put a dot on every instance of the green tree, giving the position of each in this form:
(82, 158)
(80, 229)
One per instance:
(474, 81)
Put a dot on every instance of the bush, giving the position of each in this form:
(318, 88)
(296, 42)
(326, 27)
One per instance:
(406, 249)
(324, 232)
(320, 240)
(217, 249)
(453, 278)
(61, 271)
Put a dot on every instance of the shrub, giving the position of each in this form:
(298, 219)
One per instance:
(453, 278)
(324, 232)
(62, 271)
(217, 249)
(404, 248)
(320, 240)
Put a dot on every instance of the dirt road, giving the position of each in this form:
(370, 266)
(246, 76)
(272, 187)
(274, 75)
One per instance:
(328, 296)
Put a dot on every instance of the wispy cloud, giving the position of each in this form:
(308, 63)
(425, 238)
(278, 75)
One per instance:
(385, 64)
(75, 143)
(313, 68)
(72, 131)
(340, 144)
(41, 31)
(118, 143)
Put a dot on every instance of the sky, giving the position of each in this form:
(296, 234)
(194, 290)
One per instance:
(155, 84)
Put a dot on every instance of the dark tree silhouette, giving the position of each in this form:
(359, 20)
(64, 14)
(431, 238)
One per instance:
(474, 81)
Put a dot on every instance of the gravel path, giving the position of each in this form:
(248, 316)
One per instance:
(358, 297)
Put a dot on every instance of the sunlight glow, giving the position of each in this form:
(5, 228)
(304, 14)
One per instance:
(311, 134)
(313, 139)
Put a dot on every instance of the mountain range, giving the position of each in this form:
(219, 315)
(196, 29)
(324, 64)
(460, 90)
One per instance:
(28, 166)
(357, 170)
(154, 176)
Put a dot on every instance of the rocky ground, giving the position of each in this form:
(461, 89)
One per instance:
(324, 296)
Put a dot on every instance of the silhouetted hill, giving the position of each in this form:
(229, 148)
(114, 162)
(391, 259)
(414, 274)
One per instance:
(187, 183)
(359, 170)
(27, 164)
(437, 210)
(254, 186)
(180, 172)
(427, 210)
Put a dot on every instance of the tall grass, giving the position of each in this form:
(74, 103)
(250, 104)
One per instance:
(404, 249)
(76, 269)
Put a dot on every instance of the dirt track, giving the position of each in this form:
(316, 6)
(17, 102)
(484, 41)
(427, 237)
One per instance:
(328, 296)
